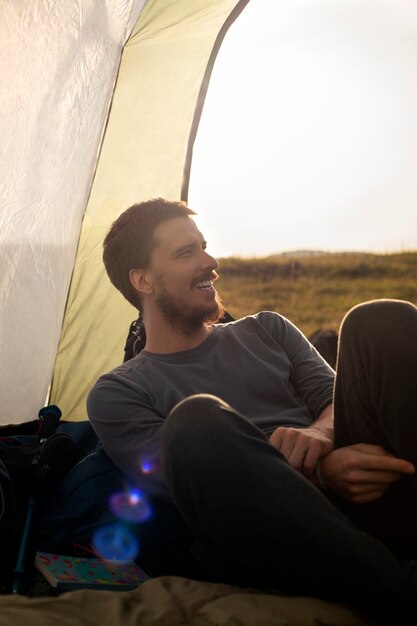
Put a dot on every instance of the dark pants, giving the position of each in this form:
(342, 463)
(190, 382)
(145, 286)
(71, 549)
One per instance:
(376, 402)
(256, 521)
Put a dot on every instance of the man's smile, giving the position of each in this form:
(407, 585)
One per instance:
(205, 282)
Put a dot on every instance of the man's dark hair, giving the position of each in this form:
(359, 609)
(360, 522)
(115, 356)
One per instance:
(129, 243)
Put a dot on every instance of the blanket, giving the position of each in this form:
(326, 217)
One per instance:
(173, 601)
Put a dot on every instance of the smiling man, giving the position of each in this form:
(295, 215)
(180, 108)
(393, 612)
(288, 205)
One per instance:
(229, 429)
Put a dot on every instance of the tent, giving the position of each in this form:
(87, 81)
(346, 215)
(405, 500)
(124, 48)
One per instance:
(100, 102)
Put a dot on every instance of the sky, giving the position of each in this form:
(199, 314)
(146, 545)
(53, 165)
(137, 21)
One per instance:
(308, 138)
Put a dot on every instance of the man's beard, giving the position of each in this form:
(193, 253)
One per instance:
(187, 321)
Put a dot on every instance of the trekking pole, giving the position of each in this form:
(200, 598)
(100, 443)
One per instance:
(19, 571)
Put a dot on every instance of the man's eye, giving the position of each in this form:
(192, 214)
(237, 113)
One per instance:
(185, 252)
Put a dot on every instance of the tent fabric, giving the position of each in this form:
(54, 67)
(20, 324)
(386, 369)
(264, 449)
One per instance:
(58, 66)
(171, 601)
(142, 156)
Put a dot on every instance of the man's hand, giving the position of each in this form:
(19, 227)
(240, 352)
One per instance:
(302, 447)
(362, 472)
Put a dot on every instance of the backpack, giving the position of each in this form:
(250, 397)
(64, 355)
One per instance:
(79, 505)
(32, 462)
(136, 337)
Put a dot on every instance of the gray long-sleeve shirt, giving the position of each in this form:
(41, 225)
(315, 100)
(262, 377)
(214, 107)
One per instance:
(261, 365)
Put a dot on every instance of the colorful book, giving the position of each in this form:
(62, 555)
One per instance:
(72, 572)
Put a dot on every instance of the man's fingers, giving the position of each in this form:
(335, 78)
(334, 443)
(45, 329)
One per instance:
(277, 437)
(366, 497)
(293, 453)
(285, 440)
(362, 477)
(296, 459)
(301, 450)
(313, 454)
(364, 489)
(361, 493)
(283, 443)
(360, 474)
(385, 463)
(376, 457)
(370, 487)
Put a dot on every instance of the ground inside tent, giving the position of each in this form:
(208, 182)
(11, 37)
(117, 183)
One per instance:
(172, 601)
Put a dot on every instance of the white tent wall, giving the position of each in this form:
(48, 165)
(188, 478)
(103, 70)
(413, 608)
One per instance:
(143, 156)
(58, 66)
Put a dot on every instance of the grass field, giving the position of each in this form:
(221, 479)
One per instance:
(315, 290)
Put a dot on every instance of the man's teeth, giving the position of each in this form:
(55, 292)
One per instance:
(204, 284)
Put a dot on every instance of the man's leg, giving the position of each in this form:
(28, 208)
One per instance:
(259, 522)
(376, 403)
(165, 543)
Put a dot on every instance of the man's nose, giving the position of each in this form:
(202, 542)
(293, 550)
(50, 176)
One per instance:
(210, 261)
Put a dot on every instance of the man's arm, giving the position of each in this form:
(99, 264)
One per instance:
(303, 447)
(129, 431)
(359, 473)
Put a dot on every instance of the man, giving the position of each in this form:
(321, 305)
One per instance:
(238, 459)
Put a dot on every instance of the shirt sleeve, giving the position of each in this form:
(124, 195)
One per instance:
(129, 432)
(311, 375)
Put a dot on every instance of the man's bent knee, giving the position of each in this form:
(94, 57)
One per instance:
(382, 315)
(197, 404)
(193, 418)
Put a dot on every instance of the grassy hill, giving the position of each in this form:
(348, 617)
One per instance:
(315, 290)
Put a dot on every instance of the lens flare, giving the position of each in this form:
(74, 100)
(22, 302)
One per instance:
(146, 467)
(148, 463)
(115, 543)
(130, 506)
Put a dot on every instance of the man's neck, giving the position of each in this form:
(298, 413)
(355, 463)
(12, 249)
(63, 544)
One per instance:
(163, 338)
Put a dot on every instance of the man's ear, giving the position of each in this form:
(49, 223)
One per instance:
(140, 281)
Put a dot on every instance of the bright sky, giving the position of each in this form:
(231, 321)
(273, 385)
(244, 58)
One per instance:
(308, 138)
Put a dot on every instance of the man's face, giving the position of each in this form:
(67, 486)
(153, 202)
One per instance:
(182, 274)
